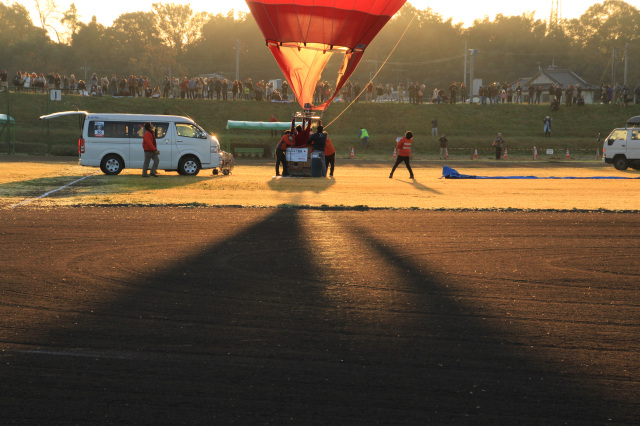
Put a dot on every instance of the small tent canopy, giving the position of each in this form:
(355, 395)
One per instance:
(3, 119)
(259, 125)
(6, 123)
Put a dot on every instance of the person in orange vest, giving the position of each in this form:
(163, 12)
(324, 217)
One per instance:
(404, 153)
(281, 153)
(330, 156)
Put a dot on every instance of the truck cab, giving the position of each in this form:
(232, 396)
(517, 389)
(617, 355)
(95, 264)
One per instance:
(622, 146)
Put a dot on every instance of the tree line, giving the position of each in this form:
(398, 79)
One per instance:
(174, 39)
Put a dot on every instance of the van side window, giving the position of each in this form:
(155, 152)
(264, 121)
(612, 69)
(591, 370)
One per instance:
(635, 135)
(137, 130)
(190, 131)
(617, 135)
(108, 129)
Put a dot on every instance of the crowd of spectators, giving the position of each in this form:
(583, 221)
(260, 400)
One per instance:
(141, 86)
(219, 88)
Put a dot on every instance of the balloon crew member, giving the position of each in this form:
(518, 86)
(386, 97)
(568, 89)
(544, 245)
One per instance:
(281, 153)
(404, 153)
(301, 134)
(364, 137)
(330, 156)
(319, 141)
(150, 150)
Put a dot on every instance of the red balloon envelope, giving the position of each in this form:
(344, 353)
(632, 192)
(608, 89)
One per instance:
(303, 35)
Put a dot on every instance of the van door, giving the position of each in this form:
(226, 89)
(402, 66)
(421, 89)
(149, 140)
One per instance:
(633, 145)
(191, 138)
(163, 143)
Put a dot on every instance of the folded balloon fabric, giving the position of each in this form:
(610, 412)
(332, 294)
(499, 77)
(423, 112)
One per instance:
(449, 173)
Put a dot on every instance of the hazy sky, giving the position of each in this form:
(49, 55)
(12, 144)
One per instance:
(463, 11)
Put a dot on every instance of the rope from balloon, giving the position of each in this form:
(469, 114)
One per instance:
(375, 75)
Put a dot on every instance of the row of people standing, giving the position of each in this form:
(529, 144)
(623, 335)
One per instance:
(618, 95)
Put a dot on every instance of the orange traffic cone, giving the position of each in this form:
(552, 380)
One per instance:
(475, 154)
(567, 156)
(395, 152)
(598, 154)
(353, 154)
(505, 154)
(535, 153)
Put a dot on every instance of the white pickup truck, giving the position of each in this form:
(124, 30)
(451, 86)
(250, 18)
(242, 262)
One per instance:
(622, 146)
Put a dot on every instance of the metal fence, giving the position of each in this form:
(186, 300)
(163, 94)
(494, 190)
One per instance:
(22, 131)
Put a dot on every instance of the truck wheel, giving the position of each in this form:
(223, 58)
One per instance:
(189, 166)
(111, 164)
(620, 163)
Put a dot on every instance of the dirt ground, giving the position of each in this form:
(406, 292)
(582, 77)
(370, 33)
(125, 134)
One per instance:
(166, 315)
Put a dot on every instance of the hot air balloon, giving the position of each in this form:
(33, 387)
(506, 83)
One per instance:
(303, 34)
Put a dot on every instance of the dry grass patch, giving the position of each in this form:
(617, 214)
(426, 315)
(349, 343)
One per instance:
(354, 184)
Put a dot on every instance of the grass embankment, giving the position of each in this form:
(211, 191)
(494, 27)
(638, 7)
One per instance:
(467, 126)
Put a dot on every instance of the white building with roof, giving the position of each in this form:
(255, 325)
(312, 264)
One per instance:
(565, 77)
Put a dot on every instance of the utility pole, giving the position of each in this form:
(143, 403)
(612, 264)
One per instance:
(472, 53)
(613, 68)
(237, 60)
(464, 79)
(626, 62)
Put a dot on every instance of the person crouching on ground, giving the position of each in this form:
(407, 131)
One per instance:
(150, 150)
(281, 153)
(318, 141)
(404, 153)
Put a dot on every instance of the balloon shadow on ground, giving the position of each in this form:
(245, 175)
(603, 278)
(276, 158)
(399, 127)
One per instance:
(241, 330)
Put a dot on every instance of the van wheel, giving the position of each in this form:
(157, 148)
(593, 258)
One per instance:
(620, 163)
(111, 164)
(189, 166)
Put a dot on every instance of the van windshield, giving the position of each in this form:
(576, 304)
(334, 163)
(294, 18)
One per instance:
(617, 135)
(190, 131)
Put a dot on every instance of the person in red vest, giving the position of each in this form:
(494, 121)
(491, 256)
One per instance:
(301, 133)
(150, 150)
(281, 153)
(330, 156)
(404, 153)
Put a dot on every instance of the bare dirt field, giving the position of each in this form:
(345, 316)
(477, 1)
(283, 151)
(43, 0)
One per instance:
(194, 314)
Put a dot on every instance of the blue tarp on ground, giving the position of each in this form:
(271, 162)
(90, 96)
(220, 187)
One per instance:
(449, 173)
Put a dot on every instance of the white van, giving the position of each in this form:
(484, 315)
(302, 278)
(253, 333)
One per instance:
(622, 146)
(114, 141)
